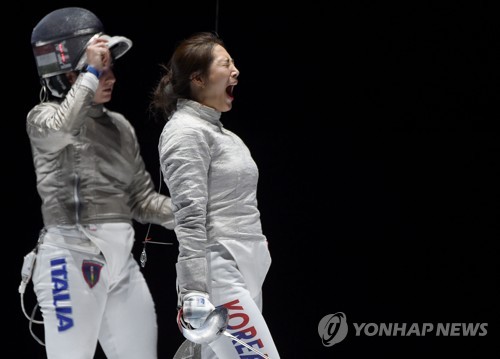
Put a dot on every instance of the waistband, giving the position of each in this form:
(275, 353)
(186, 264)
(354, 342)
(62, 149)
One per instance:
(69, 237)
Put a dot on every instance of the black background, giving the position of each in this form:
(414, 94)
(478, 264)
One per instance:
(374, 128)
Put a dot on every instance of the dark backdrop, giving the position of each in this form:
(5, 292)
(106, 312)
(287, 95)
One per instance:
(373, 126)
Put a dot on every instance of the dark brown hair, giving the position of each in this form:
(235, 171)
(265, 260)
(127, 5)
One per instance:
(193, 56)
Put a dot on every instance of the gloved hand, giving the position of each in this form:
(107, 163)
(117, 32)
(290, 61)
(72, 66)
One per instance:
(195, 308)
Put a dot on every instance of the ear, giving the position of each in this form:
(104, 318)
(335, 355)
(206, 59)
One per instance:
(197, 81)
(71, 76)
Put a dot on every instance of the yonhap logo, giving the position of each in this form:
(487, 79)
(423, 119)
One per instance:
(333, 329)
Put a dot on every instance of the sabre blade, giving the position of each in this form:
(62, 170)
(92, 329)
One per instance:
(245, 344)
(165, 243)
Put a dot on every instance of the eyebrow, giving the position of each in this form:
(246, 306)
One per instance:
(225, 59)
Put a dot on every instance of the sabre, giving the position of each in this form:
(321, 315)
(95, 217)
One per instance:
(166, 243)
(227, 334)
(214, 326)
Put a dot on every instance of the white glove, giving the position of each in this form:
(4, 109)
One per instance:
(195, 308)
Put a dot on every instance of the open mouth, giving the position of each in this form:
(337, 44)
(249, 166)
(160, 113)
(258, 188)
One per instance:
(229, 91)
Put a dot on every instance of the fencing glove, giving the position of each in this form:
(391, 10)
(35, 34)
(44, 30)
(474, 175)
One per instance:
(195, 308)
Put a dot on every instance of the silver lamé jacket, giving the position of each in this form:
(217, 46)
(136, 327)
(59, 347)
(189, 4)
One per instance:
(88, 165)
(212, 180)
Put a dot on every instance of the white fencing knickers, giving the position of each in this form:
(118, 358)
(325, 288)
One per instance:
(89, 288)
(245, 313)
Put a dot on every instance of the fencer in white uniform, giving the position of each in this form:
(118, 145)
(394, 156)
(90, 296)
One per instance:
(212, 178)
(92, 183)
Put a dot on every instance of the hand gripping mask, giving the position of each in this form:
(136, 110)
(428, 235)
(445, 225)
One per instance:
(59, 41)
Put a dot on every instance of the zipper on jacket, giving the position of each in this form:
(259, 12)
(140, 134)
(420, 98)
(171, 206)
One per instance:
(77, 198)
